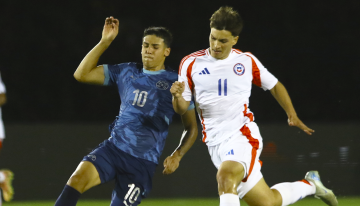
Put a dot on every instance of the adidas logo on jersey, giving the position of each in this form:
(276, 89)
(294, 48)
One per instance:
(231, 152)
(204, 71)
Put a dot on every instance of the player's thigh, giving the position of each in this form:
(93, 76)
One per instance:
(230, 170)
(262, 195)
(85, 177)
(127, 194)
(133, 181)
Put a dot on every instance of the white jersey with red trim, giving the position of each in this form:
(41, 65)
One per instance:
(221, 90)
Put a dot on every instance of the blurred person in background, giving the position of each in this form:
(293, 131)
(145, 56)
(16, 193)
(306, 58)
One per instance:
(6, 176)
(2, 102)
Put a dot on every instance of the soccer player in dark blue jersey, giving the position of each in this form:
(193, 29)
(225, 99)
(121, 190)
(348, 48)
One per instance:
(138, 133)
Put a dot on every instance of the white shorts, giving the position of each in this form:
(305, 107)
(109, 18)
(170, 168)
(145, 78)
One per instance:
(245, 148)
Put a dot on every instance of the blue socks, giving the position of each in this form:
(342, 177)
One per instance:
(68, 197)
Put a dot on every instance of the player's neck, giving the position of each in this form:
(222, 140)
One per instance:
(156, 68)
(219, 58)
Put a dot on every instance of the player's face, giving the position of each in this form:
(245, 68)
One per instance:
(221, 42)
(153, 51)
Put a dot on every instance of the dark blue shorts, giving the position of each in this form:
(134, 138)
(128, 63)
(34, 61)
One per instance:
(133, 176)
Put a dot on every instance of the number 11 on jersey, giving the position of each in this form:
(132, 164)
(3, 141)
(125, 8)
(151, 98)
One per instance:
(225, 87)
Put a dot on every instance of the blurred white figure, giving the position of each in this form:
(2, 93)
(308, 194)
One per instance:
(2, 102)
(6, 176)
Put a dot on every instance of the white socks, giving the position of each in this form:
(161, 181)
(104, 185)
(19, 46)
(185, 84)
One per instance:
(2, 177)
(229, 199)
(291, 192)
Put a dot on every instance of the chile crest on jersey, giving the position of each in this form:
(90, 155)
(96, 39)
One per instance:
(239, 69)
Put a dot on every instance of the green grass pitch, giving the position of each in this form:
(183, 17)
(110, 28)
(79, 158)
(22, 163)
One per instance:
(351, 201)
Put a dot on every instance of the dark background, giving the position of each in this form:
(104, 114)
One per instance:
(312, 47)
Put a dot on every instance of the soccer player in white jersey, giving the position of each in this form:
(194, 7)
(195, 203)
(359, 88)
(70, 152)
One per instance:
(220, 79)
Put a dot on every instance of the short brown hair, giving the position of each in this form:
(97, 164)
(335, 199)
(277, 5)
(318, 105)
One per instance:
(226, 18)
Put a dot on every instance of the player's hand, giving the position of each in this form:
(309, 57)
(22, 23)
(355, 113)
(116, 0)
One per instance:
(295, 121)
(111, 29)
(171, 163)
(177, 89)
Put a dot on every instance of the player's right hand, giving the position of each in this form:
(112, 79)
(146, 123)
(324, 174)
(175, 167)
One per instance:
(111, 29)
(177, 89)
(171, 163)
(293, 120)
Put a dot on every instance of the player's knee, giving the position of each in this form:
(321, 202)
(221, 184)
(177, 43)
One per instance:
(234, 173)
(227, 179)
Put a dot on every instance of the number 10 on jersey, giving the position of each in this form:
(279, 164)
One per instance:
(220, 87)
(139, 98)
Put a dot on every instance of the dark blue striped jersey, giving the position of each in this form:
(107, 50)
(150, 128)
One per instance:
(146, 109)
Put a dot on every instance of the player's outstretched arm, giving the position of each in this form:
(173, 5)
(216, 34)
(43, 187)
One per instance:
(88, 71)
(188, 137)
(179, 103)
(282, 96)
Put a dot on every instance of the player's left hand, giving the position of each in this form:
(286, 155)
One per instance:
(295, 121)
(177, 88)
(171, 163)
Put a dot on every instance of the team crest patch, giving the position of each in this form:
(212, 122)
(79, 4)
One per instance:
(162, 85)
(93, 157)
(239, 69)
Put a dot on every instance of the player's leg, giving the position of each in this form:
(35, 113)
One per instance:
(238, 156)
(287, 193)
(85, 177)
(133, 179)
(255, 191)
(229, 176)
(228, 157)
(95, 168)
(261, 194)
(6, 177)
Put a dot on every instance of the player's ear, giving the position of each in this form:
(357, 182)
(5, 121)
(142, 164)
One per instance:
(142, 49)
(167, 52)
(235, 40)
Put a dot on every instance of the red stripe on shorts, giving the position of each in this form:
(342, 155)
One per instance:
(255, 146)
(305, 181)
